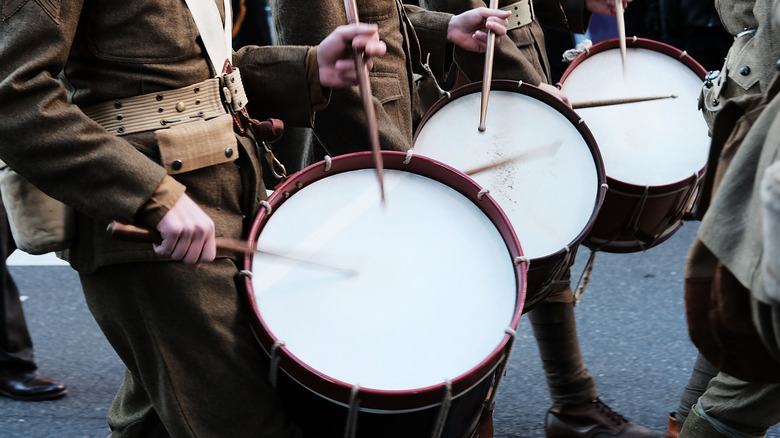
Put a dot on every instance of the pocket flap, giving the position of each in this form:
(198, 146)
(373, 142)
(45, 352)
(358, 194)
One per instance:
(196, 145)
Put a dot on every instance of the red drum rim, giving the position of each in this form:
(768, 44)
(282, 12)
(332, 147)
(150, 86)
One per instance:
(577, 121)
(639, 43)
(377, 399)
(665, 49)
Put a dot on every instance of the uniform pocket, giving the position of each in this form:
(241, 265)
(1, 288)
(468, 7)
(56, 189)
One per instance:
(196, 145)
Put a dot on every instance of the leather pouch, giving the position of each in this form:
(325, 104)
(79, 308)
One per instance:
(39, 223)
(195, 145)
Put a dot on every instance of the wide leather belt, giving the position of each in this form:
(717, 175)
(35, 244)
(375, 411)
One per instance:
(522, 14)
(150, 112)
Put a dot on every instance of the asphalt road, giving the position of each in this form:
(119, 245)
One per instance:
(631, 326)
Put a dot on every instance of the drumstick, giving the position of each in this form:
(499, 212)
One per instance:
(621, 28)
(488, 73)
(135, 233)
(551, 149)
(368, 105)
(619, 101)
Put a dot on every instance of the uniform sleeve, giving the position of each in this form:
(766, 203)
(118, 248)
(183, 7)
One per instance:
(290, 91)
(50, 141)
(509, 62)
(566, 15)
(431, 30)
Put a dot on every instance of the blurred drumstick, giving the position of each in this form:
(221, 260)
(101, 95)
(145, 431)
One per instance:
(621, 28)
(606, 102)
(550, 149)
(487, 76)
(368, 104)
(135, 233)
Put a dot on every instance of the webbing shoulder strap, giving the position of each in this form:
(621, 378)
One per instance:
(216, 37)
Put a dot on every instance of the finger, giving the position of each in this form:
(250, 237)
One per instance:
(167, 245)
(480, 36)
(497, 25)
(182, 247)
(351, 31)
(194, 251)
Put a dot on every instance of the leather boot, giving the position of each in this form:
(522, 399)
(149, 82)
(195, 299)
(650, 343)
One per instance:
(29, 386)
(592, 419)
(672, 426)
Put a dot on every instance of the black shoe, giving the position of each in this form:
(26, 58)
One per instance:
(29, 386)
(592, 419)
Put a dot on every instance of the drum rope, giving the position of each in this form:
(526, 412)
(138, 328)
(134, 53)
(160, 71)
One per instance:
(444, 411)
(482, 193)
(522, 259)
(354, 409)
(274, 368)
(428, 70)
(409, 155)
(328, 163)
(582, 284)
(245, 273)
(491, 401)
(633, 221)
(267, 207)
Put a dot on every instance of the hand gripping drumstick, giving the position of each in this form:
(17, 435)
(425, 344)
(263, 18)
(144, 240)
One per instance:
(487, 76)
(135, 233)
(365, 91)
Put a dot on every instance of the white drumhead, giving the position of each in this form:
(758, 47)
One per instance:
(433, 291)
(549, 193)
(651, 143)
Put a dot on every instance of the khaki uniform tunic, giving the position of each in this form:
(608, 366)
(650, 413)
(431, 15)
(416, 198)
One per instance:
(193, 366)
(523, 54)
(409, 33)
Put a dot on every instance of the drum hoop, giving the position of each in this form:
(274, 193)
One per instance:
(378, 399)
(577, 121)
(638, 43)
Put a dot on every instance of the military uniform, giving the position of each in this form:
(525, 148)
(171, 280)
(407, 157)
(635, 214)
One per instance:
(411, 34)
(193, 366)
(523, 55)
(750, 62)
(730, 318)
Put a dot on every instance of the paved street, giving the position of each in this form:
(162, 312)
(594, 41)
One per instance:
(631, 325)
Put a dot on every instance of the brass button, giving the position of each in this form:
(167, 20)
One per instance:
(180, 106)
(177, 165)
(229, 152)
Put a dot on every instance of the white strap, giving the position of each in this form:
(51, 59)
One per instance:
(209, 23)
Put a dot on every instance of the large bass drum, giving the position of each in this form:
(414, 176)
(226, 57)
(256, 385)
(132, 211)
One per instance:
(385, 319)
(548, 175)
(655, 152)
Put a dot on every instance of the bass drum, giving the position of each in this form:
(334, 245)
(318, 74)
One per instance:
(385, 319)
(655, 152)
(537, 158)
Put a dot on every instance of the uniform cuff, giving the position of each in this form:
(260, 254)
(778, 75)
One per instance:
(318, 96)
(164, 197)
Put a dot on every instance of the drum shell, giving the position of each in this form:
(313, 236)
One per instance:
(319, 403)
(638, 217)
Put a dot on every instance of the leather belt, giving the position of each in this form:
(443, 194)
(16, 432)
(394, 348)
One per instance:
(149, 112)
(522, 14)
